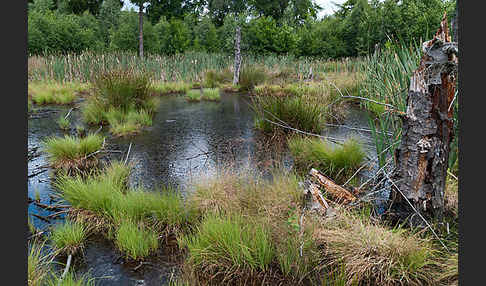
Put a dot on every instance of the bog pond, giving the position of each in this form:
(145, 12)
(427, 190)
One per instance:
(187, 141)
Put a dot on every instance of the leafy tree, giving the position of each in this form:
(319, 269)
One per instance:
(140, 4)
(206, 36)
(125, 36)
(79, 6)
(172, 36)
(109, 17)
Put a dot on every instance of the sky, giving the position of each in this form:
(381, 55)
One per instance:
(327, 5)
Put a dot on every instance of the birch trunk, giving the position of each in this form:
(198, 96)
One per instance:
(236, 75)
(423, 155)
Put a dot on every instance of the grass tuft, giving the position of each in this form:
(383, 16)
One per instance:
(211, 94)
(193, 95)
(69, 237)
(164, 88)
(72, 152)
(37, 264)
(337, 162)
(135, 240)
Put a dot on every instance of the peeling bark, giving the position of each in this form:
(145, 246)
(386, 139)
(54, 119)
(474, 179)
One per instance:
(423, 155)
(236, 75)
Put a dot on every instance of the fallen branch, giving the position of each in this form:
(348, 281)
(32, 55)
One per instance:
(341, 194)
(128, 153)
(68, 263)
(35, 174)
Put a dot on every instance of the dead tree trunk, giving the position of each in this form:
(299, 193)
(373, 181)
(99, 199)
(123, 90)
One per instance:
(423, 155)
(236, 75)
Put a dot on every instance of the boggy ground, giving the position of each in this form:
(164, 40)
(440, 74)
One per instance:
(239, 229)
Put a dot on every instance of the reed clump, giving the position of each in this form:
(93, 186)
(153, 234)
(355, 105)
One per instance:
(193, 95)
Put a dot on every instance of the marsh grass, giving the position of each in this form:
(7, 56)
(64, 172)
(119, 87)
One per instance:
(136, 240)
(123, 89)
(214, 78)
(193, 95)
(294, 112)
(127, 123)
(211, 94)
(165, 88)
(106, 195)
(230, 243)
(69, 237)
(375, 254)
(63, 122)
(72, 280)
(338, 162)
(54, 92)
(38, 264)
(251, 75)
(71, 152)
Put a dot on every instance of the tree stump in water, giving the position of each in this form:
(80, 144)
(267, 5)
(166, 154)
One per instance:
(423, 155)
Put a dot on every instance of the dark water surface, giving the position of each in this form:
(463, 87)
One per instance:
(187, 141)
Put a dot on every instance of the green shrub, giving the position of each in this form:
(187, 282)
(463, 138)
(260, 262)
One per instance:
(336, 162)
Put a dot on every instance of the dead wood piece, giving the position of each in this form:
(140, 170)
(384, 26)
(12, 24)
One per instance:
(340, 194)
(423, 154)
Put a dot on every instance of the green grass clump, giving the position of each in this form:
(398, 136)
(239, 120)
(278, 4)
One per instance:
(211, 94)
(69, 237)
(163, 88)
(122, 89)
(135, 240)
(52, 92)
(37, 264)
(294, 112)
(214, 78)
(230, 244)
(193, 95)
(107, 195)
(63, 122)
(71, 151)
(336, 162)
(251, 75)
(123, 123)
(93, 111)
(71, 280)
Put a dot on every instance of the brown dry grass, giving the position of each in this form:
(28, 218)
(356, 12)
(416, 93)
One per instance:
(374, 254)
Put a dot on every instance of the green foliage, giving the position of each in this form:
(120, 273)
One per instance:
(336, 162)
(37, 263)
(172, 36)
(125, 36)
(206, 36)
(52, 32)
(264, 36)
